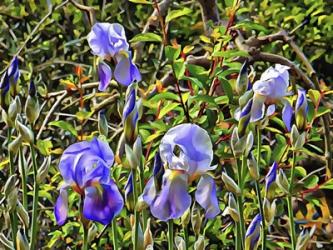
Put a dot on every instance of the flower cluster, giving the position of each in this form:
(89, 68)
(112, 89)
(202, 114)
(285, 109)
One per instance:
(186, 152)
(108, 41)
(85, 167)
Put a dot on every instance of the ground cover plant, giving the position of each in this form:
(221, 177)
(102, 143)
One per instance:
(146, 124)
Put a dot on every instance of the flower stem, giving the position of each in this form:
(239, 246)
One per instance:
(35, 201)
(13, 215)
(24, 180)
(142, 185)
(85, 237)
(114, 234)
(186, 237)
(261, 209)
(136, 215)
(240, 203)
(238, 237)
(170, 234)
(290, 206)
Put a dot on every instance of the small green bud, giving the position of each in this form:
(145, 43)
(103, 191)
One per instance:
(23, 214)
(242, 81)
(297, 139)
(43, 170)
(25, 132)
(253, 167)
(21, 241)
(230, 184)
(137, 148)
(249, 144)
(131, 157)
(200, 243)
(15, 144)
(92, 232)
(186, 217)
(180, 243)
(232, 209)
(148, 236)
(196, 220)
(269, 211)
(102, 123)
(238, 145)
(282, 181)
(32, 109)
(13, 109)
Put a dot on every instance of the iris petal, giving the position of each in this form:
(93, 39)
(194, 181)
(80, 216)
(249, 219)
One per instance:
(61, 207)
(206, 196)
(173, 199)
(105, 75)
(271, 176)
(102, 204)
(258, 107)
(287, 114)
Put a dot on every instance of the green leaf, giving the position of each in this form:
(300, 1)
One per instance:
(227, 88)
(322, 110)
(141, 1)
(204, 98)
(65, 126)
(177, 13)
(44, 147)
(146, 37)
(167, 108)
(83, 115)
(179, 69)
(327, 185)
(230, 53)
(193, 81)
(172, 53)
(311, 181)
(314, 96)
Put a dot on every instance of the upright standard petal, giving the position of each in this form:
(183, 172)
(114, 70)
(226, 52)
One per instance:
(271, 176)
(206, 196)
(105, 75)
(61, 207)
(287, 115)
(126, 72)
(195, 149)
(98, 39)
(102, 203)
(173, 200)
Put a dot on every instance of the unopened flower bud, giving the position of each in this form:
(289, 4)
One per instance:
(304, 239)
(23, 214)
(282, 181)
(15, 144)
(253, 233)
(297, 139)
(186, 217)
(13, 109)
(269, 211)
(32, 108)
(301, 110)
(230, 184)
(180, 243)
(137, 148)
(21, 241)
(253, 168)
(237, 144)
(242, 81)
(43, 170)
(196, 220)
(130, 116)
(25, 132)
(129, 197)
(92, 232)
(232, 209)
(200, 243)
(148, 236)
(131, 157)
(102, 123)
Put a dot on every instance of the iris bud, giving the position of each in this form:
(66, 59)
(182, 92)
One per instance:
(230, 184)
(21, 241)
(249, 144)
(185, 219)
(5, 242)
(148, 236)
(102, 123)
(137, 148)
(180, 243)
(242, 80)
(301, 110)
(25, 132)
(129, 198)
(43, 170)
(32, 105)
(253, 233)
(269, 211)
(196, 220)
(297, 139)
(13, 109)
(282, 181)
(130, 116)
(120, 149)
(252, 165)
(304, 238)
(23, 214)
(92, 232)
(232, 209)
(200, 243)
(15, 144)
(11, 193)
(131, 157)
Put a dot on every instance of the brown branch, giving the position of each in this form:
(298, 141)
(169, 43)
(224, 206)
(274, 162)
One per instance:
(209, 12)
(89, 10)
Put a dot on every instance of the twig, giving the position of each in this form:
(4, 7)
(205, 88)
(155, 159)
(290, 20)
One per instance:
(209, 12)
(90, 11)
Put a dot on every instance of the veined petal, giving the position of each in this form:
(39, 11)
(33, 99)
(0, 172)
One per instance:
(173, 199)
(61, 207)
(126, 71)
(258, 107)
(195, 149)
(149, 192)
(105, 75)
(102, 203)
(206, 196)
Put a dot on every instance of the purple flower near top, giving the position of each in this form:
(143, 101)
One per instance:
(186, 151)
(130, 116)
(271, 176)
(85, 167)
(271, 87)
(107, 39)
(253, 233)
(10, 76)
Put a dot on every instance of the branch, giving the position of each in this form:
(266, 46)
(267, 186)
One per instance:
(89, 10)
(209, 12)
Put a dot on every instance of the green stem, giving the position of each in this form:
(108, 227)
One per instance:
(261, 208)
(290, 206)
(136, 215)
(35, 201)
(238, 237)
(186, 239)
(240, 203)
(142, 185)
(170, 234)
(114, 234)
(24, 181)
(13, 215)
(85, 237)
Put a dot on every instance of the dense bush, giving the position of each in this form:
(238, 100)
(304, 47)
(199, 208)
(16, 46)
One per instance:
(176, 124)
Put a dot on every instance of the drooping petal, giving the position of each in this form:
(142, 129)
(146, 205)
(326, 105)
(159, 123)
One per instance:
(270, 110)
(206, 196)
(271, 176)
(195, 149)
(126, 71)
(173, 200)
(258, 108)
(105, 75)
(61, 207)
(149, 192)
(287, 115)
(102, 203)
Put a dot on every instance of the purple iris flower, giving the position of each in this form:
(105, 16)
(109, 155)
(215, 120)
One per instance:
(11, 75)
(126, 71)
(271, 176)
(253, 233)
(107, 39)
(186, 151)
(271, 87)
(85, 167)
(130, 115)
